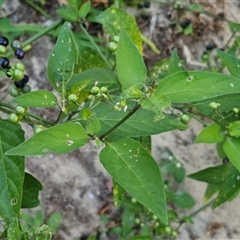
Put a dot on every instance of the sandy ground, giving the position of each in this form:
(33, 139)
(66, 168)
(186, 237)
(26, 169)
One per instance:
(75, 183)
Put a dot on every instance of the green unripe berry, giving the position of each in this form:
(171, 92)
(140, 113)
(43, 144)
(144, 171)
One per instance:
(184, 118)
(95, 90)
(112, 46)
(137, 220)
(38, 128)
(91, 98)
(133, 200)
(174, 233)
(214, 105)
(15, 44)
(13, 117)
(20, 66)
(156, 224)
(14, 92)
(116, 107)
(20, 110)
(27, 88)
(168, 229)
(154, 217)
(3, 50)
(17, 75)
(72, 98)
(105, 96)
(116, 39)
(103, 89)
(123, 103)
(235, 110)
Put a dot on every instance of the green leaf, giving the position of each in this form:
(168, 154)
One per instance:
(40, 99)
(75, 4)
(175, 64)
(184, 87)
(68, 13)
(232, 63)
(128, 221)
(142, 123)
(128, 162)
(156, 103)
(210, 190)
(84, 10)
(118, 194)
(210, 134)
(13, 231)
(61, 138)
(183, 200)
(232, 149)
(101, 75)
(54, 222)
(179, 174)
(11, 171)
(195, 8)
(234, 129)
(130, 65)
(211, 175)
(31, 188)
(132, 92)
(113, 19)
(93, 125)
(230, 186)
(63, 58)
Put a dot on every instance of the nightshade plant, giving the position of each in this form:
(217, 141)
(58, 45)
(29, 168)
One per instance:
(108, 97)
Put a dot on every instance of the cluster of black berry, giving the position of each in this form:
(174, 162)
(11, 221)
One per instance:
(15, 72)
(185, 23)
(146, 4)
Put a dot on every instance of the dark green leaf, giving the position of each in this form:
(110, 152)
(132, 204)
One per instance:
(63, 58)
(114, 19)
(175, 64)
(184, 87)
(31, 188)
(230, 186)
(40, 99)
(128, 221)
(84, 10)
(231, 147)
(212, 175)
(179, 173)
(210, 190)
(232, 63)
(61, 138)
(68, 13)
(128, 162)
(210, 134)
(183, 200)
(130, 65)
(156, 103)
(101, 75)
(142, 123)
(11, 171)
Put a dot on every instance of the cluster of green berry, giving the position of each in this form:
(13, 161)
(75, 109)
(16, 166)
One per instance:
(98, 92)
(112, 46)
(17, 115)
(15, 72)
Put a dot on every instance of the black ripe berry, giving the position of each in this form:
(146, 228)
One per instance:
(25, 79)
(225, 160)
(210, 47)
(144, 16)
(140, 6)
(19, 84)
(4, 62)
(22, 82)
(19, 53)
(147, 4)
(185, 23)
(3, 41)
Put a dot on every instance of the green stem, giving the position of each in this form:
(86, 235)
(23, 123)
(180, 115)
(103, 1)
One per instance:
(196, 212)
(32, 4)
(11, 109)
(195, 117)
(120, 122)
(42, 33)
(96, 46)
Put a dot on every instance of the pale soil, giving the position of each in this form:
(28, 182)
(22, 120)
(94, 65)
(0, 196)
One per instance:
(75, 183)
